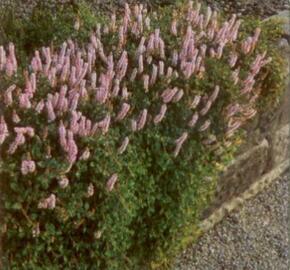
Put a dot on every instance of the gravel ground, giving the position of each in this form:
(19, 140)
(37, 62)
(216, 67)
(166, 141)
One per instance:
(253, 238)
(261, 8)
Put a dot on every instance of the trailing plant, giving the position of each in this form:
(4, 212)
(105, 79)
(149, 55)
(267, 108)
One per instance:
(110, 149)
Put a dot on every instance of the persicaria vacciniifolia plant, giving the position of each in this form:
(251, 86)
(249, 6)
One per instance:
(104, 145)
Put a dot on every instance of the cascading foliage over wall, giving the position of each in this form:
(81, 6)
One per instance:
(110, 148)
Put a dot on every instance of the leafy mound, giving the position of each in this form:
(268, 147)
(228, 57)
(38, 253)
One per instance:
(110, 148)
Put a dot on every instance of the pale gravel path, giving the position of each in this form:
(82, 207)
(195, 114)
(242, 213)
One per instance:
(252, 238)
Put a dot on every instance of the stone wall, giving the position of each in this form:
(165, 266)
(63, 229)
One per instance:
(267, 148)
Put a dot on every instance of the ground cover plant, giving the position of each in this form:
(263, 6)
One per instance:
(111, 144)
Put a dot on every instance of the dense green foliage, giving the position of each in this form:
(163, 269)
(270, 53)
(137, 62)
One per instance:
(156, 208)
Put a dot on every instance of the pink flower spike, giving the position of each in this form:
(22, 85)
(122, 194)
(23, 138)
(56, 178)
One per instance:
(8, 98)
(193, 120)
(179, 142)
(3, 130)
(111, 182)
(50, 111)
(205, 126)
(123, 112)
(146, 82)
(142, 119)
(123, 146)
(159, 117)
(195, 102)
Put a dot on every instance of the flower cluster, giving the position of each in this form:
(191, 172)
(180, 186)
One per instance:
(101, 75)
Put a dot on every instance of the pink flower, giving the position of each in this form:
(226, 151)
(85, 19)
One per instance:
(193, 120)
(134, 125)
(27, 166)
(195, 102)
(71, 148)
(123, 146)
(146, 82)
(205, 126)
(207, 107)
(16, 119)
(215, 93)
(173, 28)
(140, 64)
(158, 118)
(39, 107)
(179, 142)
(24, 101)
(142, 119)
(111, 182)
(2, 58)
(3, 130)
(62, 136)
(154, 74)
(8, 99)
(123, 112)
(168, 94)
(50, 111)
(133, 74)
(105, 124)
(161, 68)
(178, 96)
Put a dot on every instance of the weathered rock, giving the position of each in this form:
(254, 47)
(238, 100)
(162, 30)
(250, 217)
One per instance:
(239, 175)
